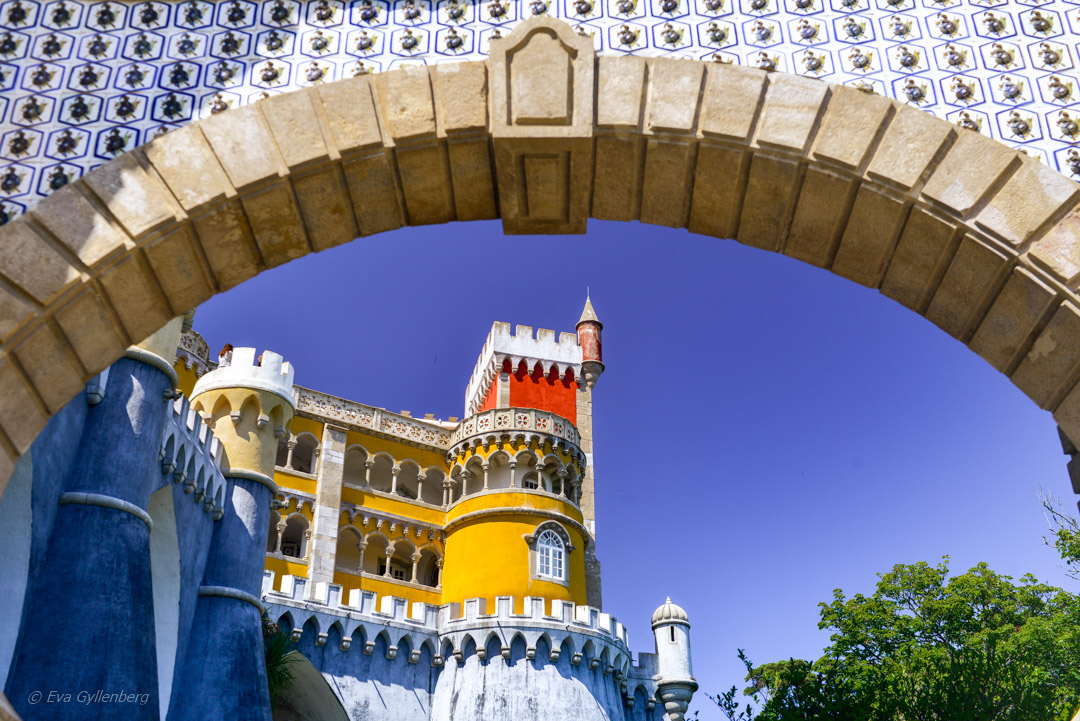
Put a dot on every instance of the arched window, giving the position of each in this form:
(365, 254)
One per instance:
(303, 459)
(551, 556)
(294, 539)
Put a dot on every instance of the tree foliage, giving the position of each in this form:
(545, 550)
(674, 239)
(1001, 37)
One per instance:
(926, 647)
(277, 646)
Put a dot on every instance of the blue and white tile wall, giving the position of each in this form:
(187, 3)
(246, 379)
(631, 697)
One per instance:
(81, 82)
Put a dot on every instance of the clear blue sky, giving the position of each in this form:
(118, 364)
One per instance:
(765, 431)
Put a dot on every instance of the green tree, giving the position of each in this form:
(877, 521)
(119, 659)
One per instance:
(277, 648)
(926, 647)
(1065, 533)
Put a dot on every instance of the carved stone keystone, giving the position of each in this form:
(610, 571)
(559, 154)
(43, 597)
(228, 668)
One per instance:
(542, 89)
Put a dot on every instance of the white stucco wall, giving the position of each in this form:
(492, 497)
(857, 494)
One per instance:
(165, 574)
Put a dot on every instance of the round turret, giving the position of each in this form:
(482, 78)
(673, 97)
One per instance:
(592, 356)
(255, 397)
(675, 684)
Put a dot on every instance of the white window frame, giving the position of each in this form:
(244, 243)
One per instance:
(541, 567)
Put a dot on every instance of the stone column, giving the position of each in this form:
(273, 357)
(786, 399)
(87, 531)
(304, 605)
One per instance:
(291, 445)
(513, 473)
(420, 487)
(485, 465)
(360, 558)
(95, 576)
(389, 554)
(415, 561)
(280, 530)
(248, 407)
(448, 492)
(438, 565)
(324, 532)
(393, 481)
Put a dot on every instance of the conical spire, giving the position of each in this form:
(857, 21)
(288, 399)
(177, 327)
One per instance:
(588, 315)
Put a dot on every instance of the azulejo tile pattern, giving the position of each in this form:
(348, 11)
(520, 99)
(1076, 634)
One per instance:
(82, 82)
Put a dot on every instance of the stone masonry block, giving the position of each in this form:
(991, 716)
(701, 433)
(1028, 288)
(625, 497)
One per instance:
(872, 228)
(470, 173)
(921, 255)
(136, 198)
(88, 325)
(972, 274)
(325, 206)
(819, 216)
(13, 312)
(296, 127)
(225, 237)
(909, 145)
(244, 146)
(1012, 318)
(674, 93)
(32, 264)
(425, 183)
(406, 103)
(373, 188)
(45, 358)
(615, 182)
(730, 103)
(276, 225)
(20, 415)
(188, 166)
(968, 171)
(79, 226)
(1031, 198)
(719, 184)
(850, 125)
(1052, 357)
(620, 88)
(133, 292)
(771, 184)
(460, 91)
(1067, 413)
(1059, 250)
(176, 264)
(791, 110)
(665, 196)
(350, 112)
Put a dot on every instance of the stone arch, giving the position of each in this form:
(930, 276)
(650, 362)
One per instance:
(978, 238)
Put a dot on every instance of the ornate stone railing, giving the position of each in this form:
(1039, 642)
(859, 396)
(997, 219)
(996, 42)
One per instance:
(503, 421)
(371, 418)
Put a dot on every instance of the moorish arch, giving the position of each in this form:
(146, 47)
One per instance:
(980, 239)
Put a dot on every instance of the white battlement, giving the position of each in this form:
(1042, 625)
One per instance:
(190, 454)
(272, 374)
(563, 354)
(585, 636)
(445, 618)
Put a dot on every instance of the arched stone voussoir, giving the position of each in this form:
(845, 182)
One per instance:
(982, 240)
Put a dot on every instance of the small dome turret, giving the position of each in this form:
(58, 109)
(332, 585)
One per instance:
(675, 682)
(669, 613)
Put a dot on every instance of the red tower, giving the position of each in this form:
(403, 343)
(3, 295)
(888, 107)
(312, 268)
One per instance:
(592, 355)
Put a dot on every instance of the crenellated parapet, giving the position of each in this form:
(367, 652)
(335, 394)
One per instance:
(581, 638)
(248, 402)
(191, 455)
(561, 355)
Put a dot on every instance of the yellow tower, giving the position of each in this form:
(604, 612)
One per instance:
(514, 526)
(248, 404)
